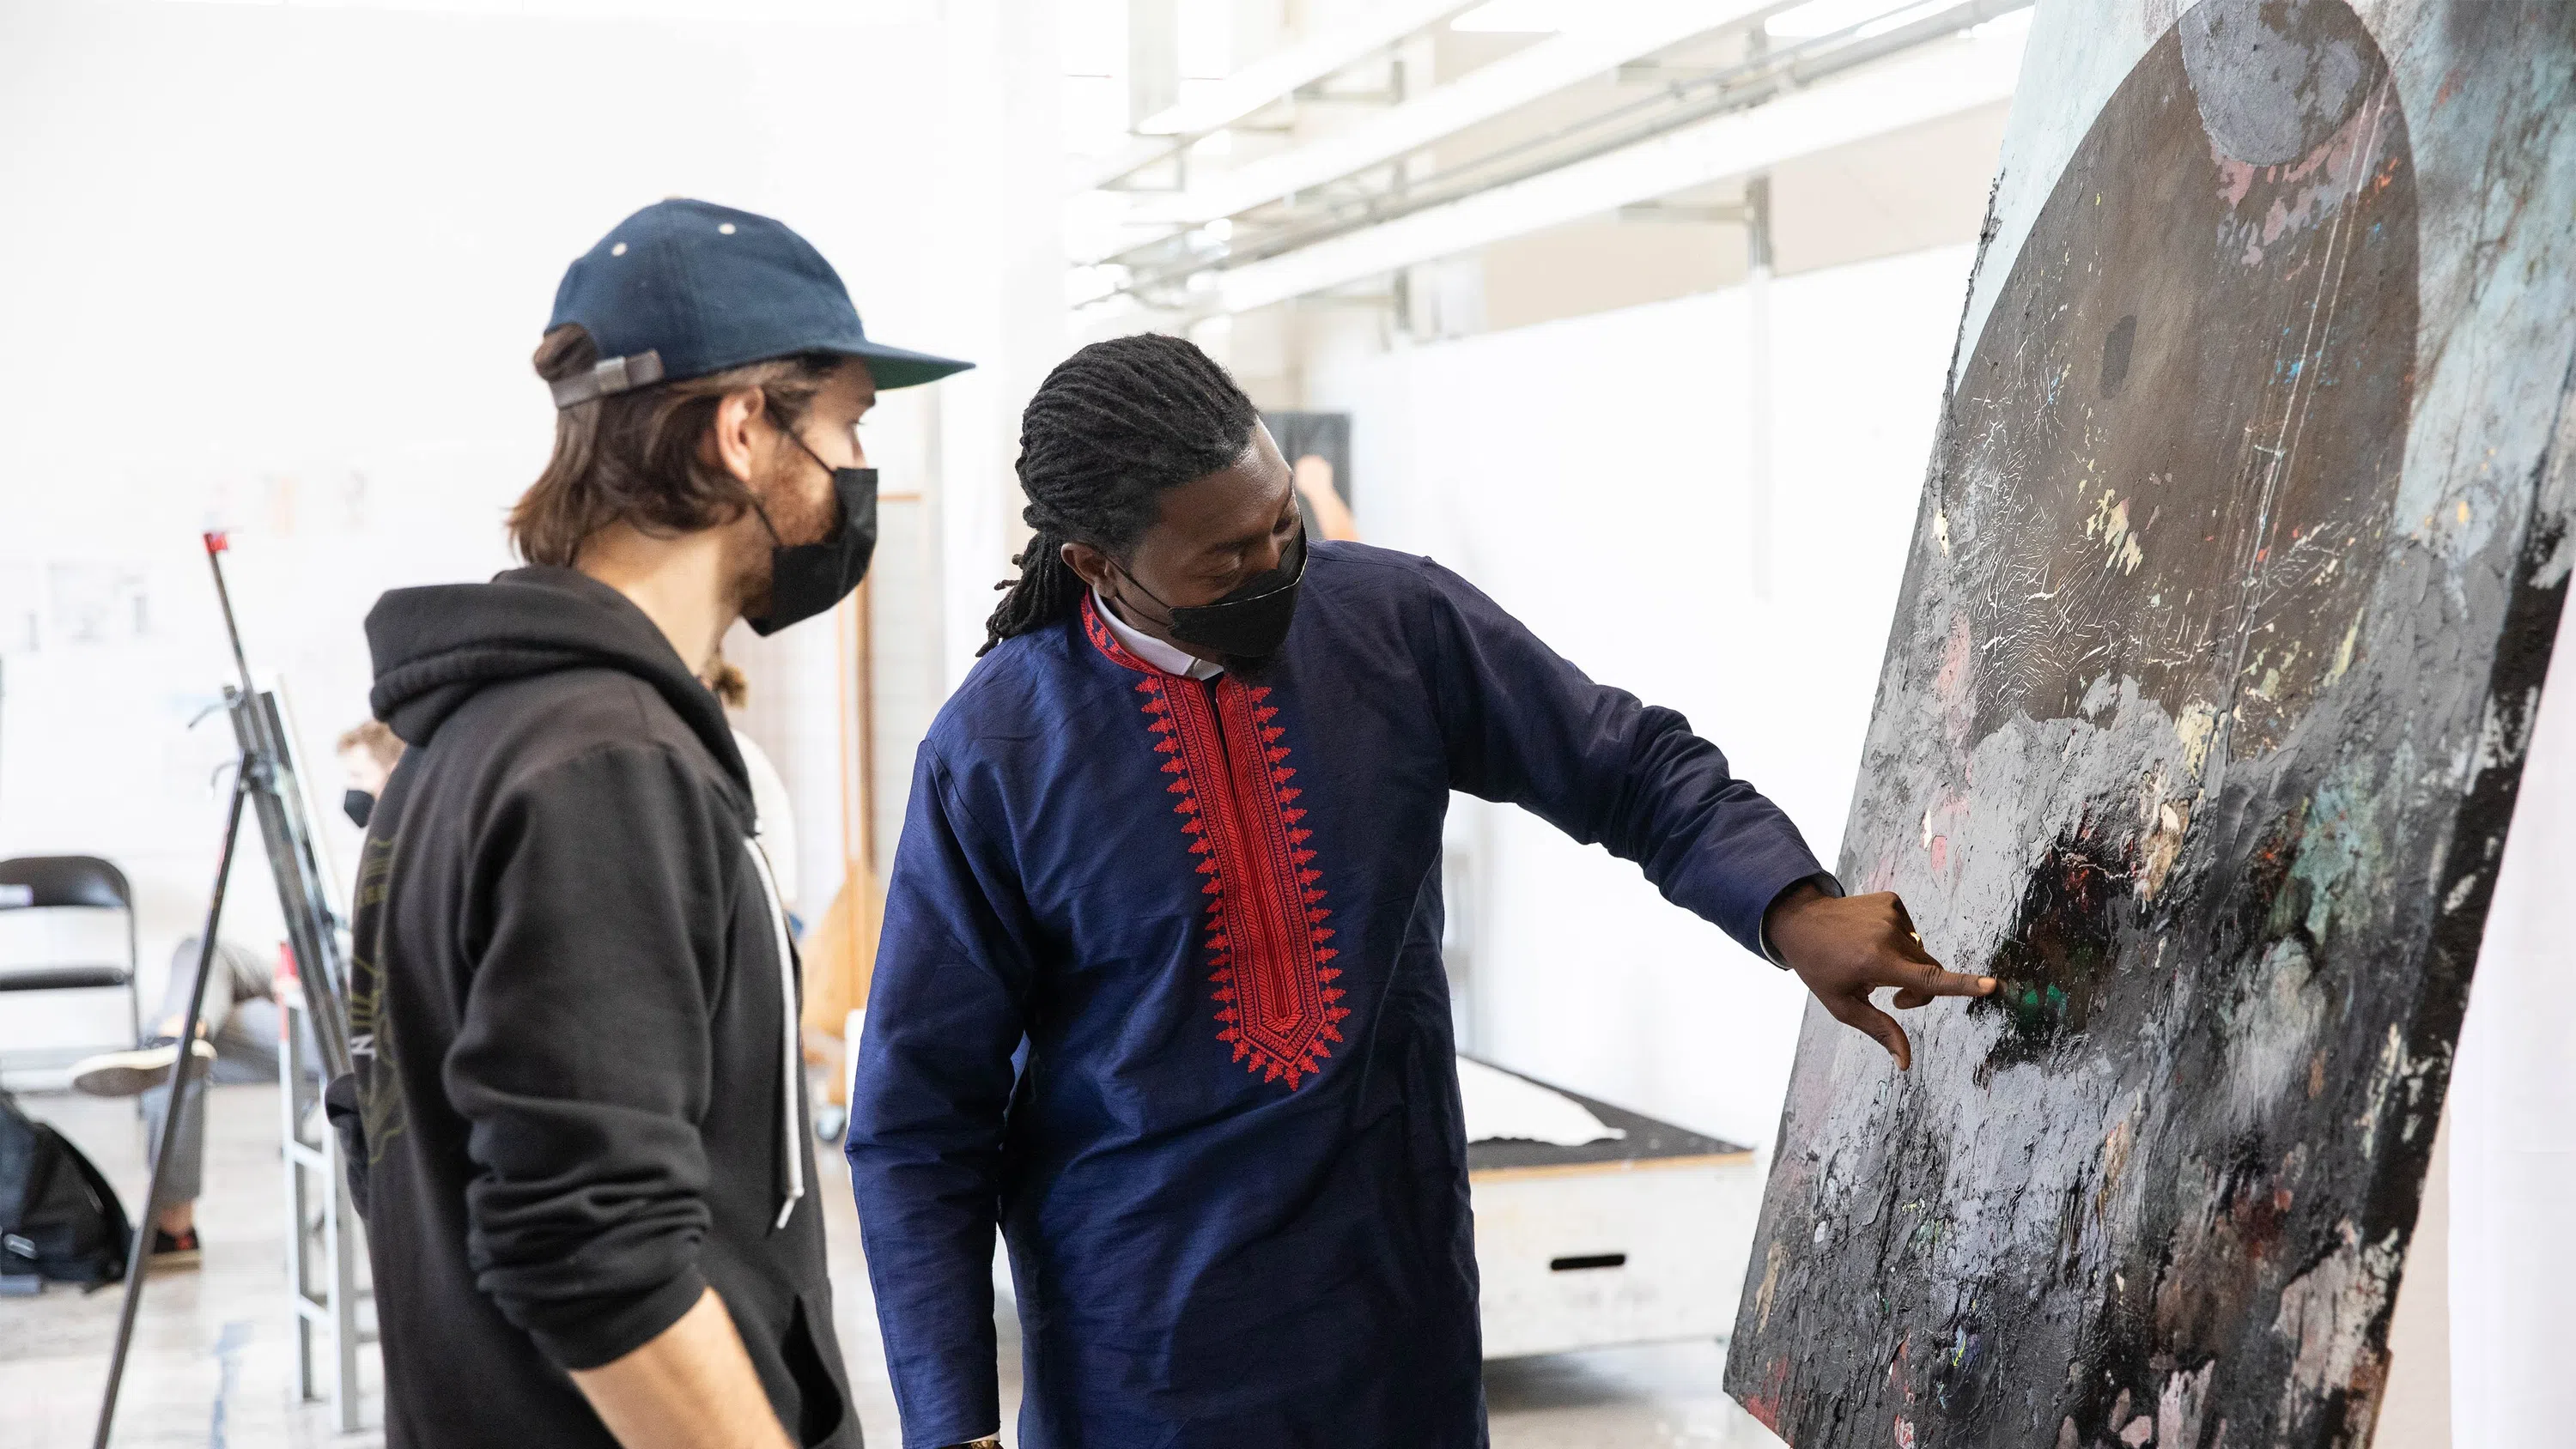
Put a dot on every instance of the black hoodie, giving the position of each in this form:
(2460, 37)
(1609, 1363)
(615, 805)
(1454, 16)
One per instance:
(574, 1018)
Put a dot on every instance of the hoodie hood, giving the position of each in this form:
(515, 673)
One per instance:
(436, 646)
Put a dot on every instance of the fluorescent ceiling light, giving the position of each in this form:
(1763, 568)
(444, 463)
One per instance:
(1517, 17)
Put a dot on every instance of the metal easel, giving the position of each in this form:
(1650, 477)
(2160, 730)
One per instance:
(323, 1249)
(320, 1265)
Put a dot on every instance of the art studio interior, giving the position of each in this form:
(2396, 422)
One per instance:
(1390, 724)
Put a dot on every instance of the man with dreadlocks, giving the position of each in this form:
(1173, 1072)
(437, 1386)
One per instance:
(1177, 839)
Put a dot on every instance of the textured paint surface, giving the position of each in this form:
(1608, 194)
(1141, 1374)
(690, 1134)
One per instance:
(2235, 579)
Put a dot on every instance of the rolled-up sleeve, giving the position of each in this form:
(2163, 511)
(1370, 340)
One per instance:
(581, 1063)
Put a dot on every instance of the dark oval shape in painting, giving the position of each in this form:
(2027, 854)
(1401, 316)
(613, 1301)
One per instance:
(2115, 354)
(2231, 253)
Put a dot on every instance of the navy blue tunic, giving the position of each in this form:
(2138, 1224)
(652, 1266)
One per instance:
(1231, 1170)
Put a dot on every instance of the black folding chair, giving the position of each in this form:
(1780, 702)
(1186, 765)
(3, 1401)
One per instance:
(73, 882)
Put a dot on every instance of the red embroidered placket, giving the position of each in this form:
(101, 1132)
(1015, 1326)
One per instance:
(1276, 1001)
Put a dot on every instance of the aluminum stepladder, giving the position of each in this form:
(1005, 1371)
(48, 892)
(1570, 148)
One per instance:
(325, 1248)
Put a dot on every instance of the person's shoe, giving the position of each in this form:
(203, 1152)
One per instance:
(181, 1251)
(131, 1074)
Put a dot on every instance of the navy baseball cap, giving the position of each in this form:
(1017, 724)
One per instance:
(685, 288)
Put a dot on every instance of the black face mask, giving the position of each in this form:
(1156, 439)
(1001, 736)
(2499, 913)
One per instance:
(806, 579)
(1251, 621)
(359, 804)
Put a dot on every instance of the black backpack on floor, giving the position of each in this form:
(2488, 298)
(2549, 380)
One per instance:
(58, 1217)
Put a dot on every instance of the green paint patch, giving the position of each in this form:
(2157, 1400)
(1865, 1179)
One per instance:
(2061, 954)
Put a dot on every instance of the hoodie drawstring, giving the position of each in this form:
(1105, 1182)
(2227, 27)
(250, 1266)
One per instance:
(791, 1056)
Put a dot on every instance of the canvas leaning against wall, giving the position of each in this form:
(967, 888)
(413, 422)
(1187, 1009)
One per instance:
(2235, 578)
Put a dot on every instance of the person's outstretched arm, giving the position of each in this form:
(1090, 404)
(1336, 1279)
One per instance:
(1522, 724)
(691, 1386)
(944, 1015)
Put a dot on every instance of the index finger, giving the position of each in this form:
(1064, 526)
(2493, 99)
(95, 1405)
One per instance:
(1930, 979)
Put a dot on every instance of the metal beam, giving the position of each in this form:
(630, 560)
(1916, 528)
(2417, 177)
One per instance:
(1278, 75)
(1599, 47)
(1273, 78)
(1934, 82)
(1666, 211)
(1763, 76)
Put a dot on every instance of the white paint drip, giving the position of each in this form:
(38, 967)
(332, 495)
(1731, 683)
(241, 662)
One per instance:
(2343, 651)
(2198, 723)
(2180, 1406)
(2110, 523)
(2506, 731)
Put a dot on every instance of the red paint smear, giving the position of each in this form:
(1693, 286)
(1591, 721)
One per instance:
(1765, 1406)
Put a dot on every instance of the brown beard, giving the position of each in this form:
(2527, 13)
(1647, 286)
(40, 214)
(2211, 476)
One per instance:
(796, 518)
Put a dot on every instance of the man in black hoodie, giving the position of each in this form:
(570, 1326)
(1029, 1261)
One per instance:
(578, 1138)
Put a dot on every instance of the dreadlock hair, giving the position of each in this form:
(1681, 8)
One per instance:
(1109, 431)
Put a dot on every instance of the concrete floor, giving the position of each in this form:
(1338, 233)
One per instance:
(213, 1357)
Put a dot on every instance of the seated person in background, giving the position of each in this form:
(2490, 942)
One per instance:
(368, 755)
(238, 1035)
(237, 1029)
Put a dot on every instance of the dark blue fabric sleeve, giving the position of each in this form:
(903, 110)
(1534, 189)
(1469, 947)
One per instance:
(1522, 724)
(933, 1079)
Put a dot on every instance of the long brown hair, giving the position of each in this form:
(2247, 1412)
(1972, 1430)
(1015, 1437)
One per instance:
(633, 457)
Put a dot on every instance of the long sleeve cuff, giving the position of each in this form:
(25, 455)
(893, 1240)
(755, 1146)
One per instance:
(951, 1397)
(1823, 880)
(614, 1328)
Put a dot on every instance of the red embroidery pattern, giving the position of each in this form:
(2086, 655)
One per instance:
(1275, 996)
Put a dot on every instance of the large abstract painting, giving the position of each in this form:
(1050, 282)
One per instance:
(2236, 573)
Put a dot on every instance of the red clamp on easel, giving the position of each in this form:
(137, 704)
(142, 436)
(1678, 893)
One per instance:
(285, 980)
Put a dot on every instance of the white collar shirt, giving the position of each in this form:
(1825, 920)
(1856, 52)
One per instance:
(1165, 657)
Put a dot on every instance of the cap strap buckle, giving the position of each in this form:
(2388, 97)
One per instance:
(611, 375)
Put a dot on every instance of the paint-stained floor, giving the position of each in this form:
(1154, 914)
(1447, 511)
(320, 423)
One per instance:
(213, 1362)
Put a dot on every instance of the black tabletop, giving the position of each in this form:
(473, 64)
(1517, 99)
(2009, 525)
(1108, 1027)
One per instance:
(1646, 1139)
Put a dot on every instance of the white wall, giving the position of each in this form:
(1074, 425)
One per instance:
(281, 269)
(1591, 475)
(2513, 1115)
(999, 268)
